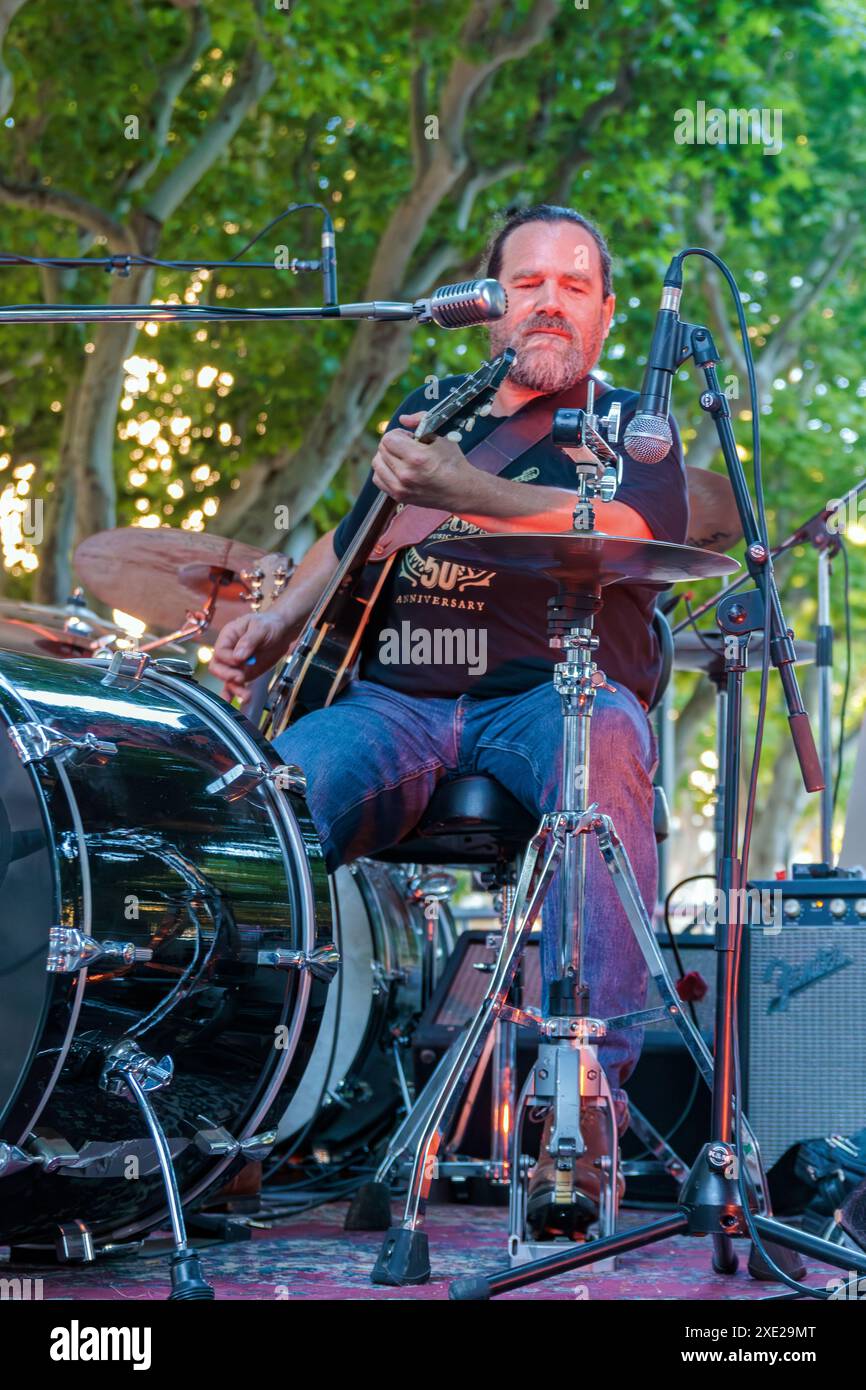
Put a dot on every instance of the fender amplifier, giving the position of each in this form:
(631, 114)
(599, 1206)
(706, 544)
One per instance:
(803, 1013)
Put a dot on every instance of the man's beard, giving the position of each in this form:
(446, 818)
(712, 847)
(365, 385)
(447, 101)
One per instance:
(541, 368)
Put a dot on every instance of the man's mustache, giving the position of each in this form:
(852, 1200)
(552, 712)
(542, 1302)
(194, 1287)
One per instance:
(556, 327)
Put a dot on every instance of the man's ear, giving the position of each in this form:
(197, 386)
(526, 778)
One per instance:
(607, 310)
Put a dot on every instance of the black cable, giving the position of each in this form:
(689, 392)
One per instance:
(694, 624)
(122, 261)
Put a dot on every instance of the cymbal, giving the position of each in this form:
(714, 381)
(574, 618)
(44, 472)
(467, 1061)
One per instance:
(160, 574)
(62, 631)
(591, 558)
(707, 652)
(714, 522)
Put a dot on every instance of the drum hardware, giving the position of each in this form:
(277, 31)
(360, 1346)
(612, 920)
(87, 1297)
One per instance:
(322, 964)
(104, 840)
(582, 562)
(35, 743)
(74, 1243)
(216, 1140)
(133, 1076)
(244, 778)
(355, 1080)
(127, 669)
(70, 950)
(370, 1209)
(431, 889)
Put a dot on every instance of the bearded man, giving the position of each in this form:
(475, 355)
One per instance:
(374, 757)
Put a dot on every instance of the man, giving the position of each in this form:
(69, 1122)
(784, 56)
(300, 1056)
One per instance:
(375, 756)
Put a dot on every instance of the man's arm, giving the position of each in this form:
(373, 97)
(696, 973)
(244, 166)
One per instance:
(438, 474)
(499, 504)
(251, 644)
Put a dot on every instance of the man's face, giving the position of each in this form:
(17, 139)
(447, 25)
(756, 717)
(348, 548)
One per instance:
(557, 317)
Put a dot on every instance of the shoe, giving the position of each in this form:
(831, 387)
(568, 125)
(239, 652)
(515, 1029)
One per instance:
(571, 1210)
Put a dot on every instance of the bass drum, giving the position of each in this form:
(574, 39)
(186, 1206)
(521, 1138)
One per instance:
(214, 899)
(350, 1092)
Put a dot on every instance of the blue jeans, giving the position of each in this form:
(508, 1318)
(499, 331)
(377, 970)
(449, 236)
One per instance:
(373, 760)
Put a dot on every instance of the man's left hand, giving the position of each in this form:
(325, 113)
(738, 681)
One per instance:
(428, 475)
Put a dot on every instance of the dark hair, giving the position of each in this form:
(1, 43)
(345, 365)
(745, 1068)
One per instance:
(544, 212)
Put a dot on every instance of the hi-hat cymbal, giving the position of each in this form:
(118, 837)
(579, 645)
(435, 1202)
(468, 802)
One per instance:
(160, 574)
(707, 652)
(586, 558)
(61, 631)
(714, 522)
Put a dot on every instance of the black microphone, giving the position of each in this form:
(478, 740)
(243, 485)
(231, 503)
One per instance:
(460, 306)
(329, 260)
(648, 437)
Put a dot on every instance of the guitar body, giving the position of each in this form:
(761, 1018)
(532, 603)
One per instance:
(327, 649)
(313, 675)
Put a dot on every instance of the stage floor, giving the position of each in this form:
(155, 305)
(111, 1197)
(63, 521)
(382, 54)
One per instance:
(312, 1257)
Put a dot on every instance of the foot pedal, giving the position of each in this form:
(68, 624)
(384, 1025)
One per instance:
(403, 1259)
(549, 1214)
(370, 1208)
(788, 1260)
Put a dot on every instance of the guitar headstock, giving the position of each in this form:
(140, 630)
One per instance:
(458, 411)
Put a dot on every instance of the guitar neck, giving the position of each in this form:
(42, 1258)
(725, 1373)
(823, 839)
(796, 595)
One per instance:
(355, 556)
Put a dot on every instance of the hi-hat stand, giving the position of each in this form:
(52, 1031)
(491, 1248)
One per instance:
(568, 1071)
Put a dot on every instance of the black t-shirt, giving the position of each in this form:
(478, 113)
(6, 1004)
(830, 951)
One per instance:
(444, 629)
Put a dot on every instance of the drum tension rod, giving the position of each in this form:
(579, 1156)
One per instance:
(216, 1141)
(322, 963)
(69, 949)
(35, 743)
(244, 778)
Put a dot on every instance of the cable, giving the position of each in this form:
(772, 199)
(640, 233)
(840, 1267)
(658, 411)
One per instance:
(121, 262)
(697, 631)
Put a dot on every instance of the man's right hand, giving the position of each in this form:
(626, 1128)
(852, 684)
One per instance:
(245, 648)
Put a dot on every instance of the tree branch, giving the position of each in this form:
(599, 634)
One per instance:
(821, 273)
(8, 11)
(57, 202)
(173, 79)
(255, 76)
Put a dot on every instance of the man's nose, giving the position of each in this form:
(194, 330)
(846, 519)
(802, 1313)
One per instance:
(550, 300)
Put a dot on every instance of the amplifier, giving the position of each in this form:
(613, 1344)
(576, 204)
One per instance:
(803, 1013)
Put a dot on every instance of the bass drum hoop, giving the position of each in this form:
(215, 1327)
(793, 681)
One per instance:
(250, 745)
(86, 902)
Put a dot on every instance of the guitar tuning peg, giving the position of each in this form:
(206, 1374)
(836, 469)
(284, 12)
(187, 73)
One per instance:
(486, 408)
(455, 435)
